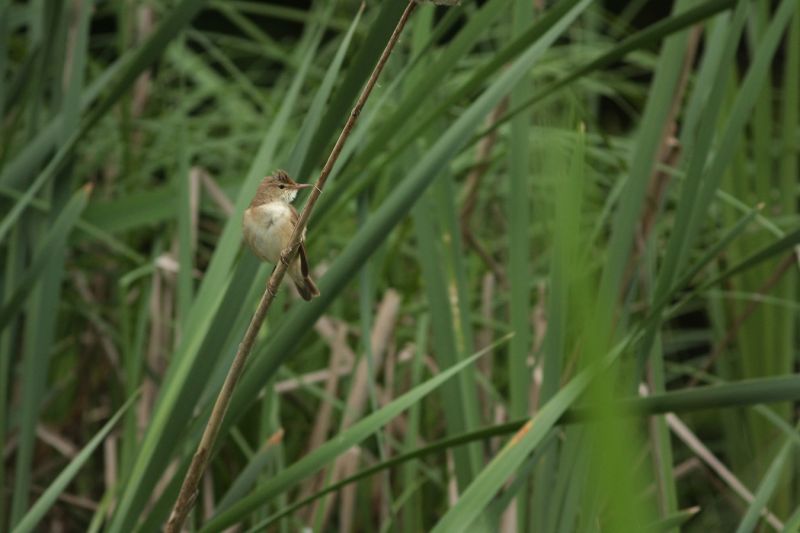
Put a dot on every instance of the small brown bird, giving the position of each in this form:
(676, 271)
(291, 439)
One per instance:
(268, 225)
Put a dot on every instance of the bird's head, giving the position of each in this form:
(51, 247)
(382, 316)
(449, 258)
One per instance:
(278, 187)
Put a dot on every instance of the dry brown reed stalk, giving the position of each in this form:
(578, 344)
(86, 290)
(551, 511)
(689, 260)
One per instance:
(508, 520)
(340, 354)
(387, 394)
(348, 467)
(669, 152)
(701, 451)
(312, 378)
(539, 326)
(145, 22)
(73, 500)
(216, 193)
(336, 336)
(188, 492)
(110, 466)
(692, 442)
(738, 322)
(472, 186)
(195, 176)
(382, 333)
(153, 354)
(484, 339)
(99, 332)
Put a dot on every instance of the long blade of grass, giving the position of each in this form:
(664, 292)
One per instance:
(744, 392)
(751, 392)
(518, 203)
(568, 184)
(781, 246)
(57, 486)
(745, 100)
(793, 523)
(13, 268)
(766, 489)
(476, 25)
(5, 8)
(457, 402)
(16, 171)
(480, 492)
(54, 239)
(311, 125)
(640, 40)
(85, 228)
(324, 454)
(647, 37)
(177, 397)
(394, 208)
(707, 258)
(137, 62)
(360, 68)
(674, 520)
(248, 478)
(699, 189)
(532, 35)
(39, 333)
(648, 140)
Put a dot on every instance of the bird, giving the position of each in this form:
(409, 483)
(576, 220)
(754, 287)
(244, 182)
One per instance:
(268, 224)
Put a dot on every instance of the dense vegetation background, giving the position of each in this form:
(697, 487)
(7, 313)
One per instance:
(599, 199)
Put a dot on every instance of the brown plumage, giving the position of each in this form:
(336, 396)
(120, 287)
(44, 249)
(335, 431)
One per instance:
(268, 224)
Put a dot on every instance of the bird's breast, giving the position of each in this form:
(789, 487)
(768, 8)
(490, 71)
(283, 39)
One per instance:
(267, 229)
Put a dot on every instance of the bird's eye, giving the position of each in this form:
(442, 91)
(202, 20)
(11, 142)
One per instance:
(281, 186)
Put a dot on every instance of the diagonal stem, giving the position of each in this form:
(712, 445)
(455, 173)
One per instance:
(739, 321)
(188, 492)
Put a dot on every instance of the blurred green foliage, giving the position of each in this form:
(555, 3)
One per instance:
(545, 210)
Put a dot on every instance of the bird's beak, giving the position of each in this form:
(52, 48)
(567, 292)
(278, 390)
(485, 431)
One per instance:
(301, 185)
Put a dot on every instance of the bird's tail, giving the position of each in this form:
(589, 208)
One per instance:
(306, 287)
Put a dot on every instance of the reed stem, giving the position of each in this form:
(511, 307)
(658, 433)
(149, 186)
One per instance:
(188, 492)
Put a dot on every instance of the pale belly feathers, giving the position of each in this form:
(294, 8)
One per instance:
(267, 229)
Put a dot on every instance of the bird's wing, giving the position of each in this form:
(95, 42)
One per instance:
(303, 259)
(302, 250)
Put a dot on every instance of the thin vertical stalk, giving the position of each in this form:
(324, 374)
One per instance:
(13, 271)
(188, 490)
(519, 224)
(457, 407)
(519, 375)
